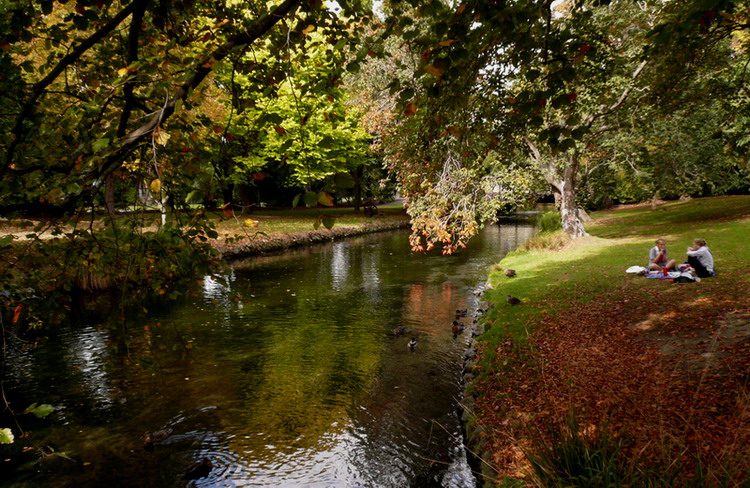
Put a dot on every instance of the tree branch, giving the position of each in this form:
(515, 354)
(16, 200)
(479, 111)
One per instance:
(620, 100)
(203, 68)
(67, 60)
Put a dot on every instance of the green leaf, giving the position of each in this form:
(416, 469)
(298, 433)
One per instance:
(286, 146)
(41, 411)
(310, 198)
(6, 436)
(194, 196)
(81, 22)
(343, 180)
(316, 224)
(100, 144)
(295, 202)
(532, 74)
(274, 119)
(353, 67)
(328, 222)
(567, 144)
(5, 240)
(579, 132)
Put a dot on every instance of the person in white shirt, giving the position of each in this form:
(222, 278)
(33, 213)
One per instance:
(700, 258)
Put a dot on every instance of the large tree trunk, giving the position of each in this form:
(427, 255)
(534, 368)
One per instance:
(563, 187)
(571, 221)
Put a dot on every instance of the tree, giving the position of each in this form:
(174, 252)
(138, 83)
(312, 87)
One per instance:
(556, 79)
(74, 119)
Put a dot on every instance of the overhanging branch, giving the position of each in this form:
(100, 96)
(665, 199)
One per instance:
(203, 68)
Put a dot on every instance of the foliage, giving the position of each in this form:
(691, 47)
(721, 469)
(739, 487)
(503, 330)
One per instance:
(562, 84)
(43, 273)
(573, 457)
(549, 222)
(300, 133)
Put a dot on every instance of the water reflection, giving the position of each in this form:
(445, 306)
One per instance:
(86, 353)
(286, 372)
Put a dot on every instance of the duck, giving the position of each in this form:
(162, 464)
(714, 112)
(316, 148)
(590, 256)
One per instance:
(510, 273)
(513, 300)
(401, 330)
(412, 344)
(457, 327)
(198, 470)
(152, 437)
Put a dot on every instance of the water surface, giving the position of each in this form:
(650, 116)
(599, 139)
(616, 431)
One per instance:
(286, 373)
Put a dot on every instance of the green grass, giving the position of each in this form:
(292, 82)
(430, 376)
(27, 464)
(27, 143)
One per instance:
(587, 269)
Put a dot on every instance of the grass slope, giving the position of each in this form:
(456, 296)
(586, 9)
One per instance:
(660, 369)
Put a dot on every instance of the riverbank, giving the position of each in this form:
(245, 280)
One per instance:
(262, 243)
(599, 376)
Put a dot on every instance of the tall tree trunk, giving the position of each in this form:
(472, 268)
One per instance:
(571, 221)
(227, 192)
(357, 175)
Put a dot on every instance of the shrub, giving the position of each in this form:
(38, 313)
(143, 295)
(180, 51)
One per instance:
(549, 222)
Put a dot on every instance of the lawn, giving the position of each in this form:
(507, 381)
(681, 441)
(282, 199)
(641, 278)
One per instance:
(662, 368)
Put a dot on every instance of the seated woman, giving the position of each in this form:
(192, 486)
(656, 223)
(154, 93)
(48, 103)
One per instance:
(658, 257)
(700, 258)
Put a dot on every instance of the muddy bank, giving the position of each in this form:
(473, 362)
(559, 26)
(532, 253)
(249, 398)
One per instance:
(280, 242)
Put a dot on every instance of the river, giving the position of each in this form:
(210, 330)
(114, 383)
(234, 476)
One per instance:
(288, 372)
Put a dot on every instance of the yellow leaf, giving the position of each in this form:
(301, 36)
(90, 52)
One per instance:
(155, 185)
(308, 29)
(250, 223)
(122, 72)
(446, 43)
(161, 137)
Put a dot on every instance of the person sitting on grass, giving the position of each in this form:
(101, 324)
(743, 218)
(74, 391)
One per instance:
(700, 258)
(658, 257)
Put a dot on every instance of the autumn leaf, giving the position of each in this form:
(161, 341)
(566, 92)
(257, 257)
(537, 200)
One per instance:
(325, 199)
(122, 72)
(155, 185)
(446, 43)
(411, 109)
(17, 312)
(280, 130)
(308, 29)
(161, 137)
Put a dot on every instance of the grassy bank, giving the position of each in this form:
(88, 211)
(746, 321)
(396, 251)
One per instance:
(600, 375)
